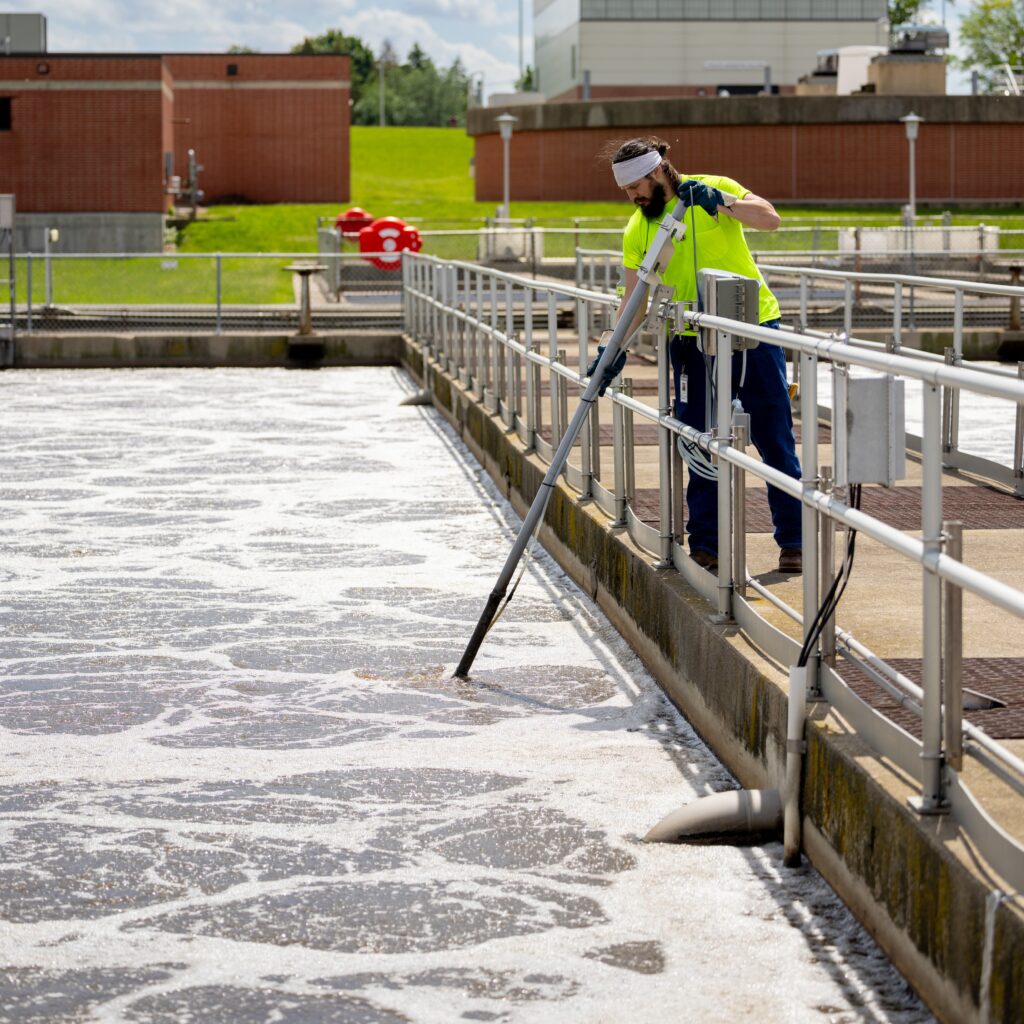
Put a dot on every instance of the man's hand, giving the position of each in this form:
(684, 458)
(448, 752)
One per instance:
(696, 193)
(612, 371)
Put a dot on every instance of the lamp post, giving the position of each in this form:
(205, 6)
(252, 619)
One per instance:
(912, 123)
(505, 123)
(474, 89)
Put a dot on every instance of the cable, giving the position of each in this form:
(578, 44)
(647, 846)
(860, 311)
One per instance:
(835, 593)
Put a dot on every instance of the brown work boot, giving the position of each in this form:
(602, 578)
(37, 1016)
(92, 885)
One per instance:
(791, 560)
(705, 560)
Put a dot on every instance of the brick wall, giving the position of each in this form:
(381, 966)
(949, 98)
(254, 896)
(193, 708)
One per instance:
(89, 132)
(275, 131)
(783, 149)
(86, 134)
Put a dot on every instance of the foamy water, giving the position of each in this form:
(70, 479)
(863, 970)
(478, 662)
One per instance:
(240, 784)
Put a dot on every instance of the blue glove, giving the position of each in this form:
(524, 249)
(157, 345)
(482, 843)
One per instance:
(696, 193)
(610, 373)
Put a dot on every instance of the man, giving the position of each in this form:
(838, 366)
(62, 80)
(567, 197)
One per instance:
(716, 231)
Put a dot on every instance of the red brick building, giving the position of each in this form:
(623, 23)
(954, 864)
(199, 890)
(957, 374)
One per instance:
(85, 140)
(268, 129)
(787, 148)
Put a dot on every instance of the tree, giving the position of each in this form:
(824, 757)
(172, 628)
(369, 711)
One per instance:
(992, 34)
(237, 48)
(904, 12)
(363, 62)
(416, 92)
(525, 81)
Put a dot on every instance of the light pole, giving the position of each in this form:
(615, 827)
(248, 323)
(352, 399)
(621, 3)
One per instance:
(505, 122)
(912, 123)
(475, 89)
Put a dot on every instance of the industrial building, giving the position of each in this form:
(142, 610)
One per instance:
(631, 48)
(96, 145)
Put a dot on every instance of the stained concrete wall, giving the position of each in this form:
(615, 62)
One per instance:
(91, 232)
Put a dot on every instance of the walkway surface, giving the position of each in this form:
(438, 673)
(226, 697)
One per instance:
(882, 606)
(240, 784)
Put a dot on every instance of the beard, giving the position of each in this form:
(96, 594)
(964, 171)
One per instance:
(654, 206)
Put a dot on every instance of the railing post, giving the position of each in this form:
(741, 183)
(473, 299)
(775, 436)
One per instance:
(588, 430)
(578, 278)
(1015, 299)
(897, 316)
(741, 434)
(665, 441)
(217, 265)
(563, 398)
(482, 364)
(629, 446)
(803, 303)
(723, 434)
(948, 400)
(952, 652)
(826, 573)
(809, 516)
(619, 463)
(495, 347)
(532, 374)
(443, 283)
(510, 396)
(1018, 433)
(932, 800)
(28, 293)
(848, 308)
(958, 358)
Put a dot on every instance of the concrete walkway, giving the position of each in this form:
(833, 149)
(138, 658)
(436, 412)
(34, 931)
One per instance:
(882, 605)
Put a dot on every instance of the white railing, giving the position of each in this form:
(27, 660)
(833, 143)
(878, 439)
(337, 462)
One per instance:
(499, 335)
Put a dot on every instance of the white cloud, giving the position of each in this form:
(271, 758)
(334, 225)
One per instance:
(483, 12)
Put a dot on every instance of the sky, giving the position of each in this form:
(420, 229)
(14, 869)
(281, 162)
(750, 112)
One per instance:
(483, 34)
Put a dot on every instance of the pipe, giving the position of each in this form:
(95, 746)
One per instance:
(794, 765)
(742, 811)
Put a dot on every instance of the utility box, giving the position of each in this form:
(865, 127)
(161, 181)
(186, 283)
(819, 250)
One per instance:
(733, 297)
(868, 429)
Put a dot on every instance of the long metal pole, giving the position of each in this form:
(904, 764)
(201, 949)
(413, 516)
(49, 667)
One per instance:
(671, 227)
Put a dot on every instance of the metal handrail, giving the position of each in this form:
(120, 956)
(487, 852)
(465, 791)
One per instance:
(428, 307)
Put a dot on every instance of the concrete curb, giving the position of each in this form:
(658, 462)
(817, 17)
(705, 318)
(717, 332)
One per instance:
(918, 888)
(114, 350)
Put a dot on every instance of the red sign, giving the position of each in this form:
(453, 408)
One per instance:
(385, 236)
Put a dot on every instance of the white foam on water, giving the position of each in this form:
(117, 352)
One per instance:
(240, 784)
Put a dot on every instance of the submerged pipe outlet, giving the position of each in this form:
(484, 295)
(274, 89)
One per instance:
(735, 812)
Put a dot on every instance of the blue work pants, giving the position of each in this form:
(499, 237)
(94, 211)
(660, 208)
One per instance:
(765, 396)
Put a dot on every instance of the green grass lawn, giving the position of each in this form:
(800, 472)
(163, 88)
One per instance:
(421, 175)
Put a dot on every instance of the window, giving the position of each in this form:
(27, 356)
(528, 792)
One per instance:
(5, 113)
(232, 70)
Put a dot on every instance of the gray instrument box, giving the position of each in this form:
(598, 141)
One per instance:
(868, 429)
(733, 297)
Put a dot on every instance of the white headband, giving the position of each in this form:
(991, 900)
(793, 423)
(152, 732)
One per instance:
(637, 167)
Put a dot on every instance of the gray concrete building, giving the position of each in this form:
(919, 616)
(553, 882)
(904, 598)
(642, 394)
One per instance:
(623, 48)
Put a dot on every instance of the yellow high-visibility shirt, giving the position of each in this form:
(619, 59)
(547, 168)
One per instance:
(721, 245)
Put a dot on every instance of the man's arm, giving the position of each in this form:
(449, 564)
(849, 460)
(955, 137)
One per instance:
(753, 212)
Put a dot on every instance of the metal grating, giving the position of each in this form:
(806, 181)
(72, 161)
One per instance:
(1001, 678)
